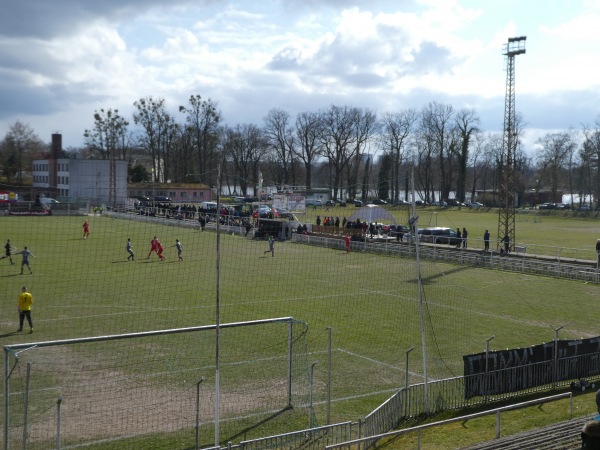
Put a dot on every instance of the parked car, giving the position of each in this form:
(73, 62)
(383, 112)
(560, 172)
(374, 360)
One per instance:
(442, 204)
(357, 203)
(379, 201)
(474, 205)
(421, 203)
(162, 199)
(394, 230)
(401, 202)
(584, 207)
(330, 203)
(547, 206)
(439, 235)
(342, 203)
(48, 202)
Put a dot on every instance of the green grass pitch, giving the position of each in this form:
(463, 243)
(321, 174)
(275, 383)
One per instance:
(371, 303)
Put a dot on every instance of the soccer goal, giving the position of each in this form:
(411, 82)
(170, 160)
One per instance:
(138, 386)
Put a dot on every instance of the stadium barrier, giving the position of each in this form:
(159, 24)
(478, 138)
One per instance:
(529, 263)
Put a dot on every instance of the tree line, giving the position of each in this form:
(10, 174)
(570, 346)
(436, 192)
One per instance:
(353, 151)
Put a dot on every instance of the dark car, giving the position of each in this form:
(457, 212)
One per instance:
(357, 203)
(547, 206)
(330, 203)
(162, 199)
(439, 235)
(395, 230)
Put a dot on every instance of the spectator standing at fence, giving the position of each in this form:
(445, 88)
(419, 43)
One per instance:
(318, 222)
(506, 240)
(347, 242)
(598, 250)
(25, 301)
(486, 241)
(464, 235)
(459, 237)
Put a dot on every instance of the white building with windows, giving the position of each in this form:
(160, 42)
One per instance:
(78, 179)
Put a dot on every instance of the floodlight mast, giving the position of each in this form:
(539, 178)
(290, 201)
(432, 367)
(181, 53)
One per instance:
(506, 201)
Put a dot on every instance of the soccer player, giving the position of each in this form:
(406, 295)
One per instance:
(159, 249)
(25, 301)
(271, 246)
(131, 256)
(86, 229)
(7, 253)
(152, 246)
(179, 249)
(25, 262)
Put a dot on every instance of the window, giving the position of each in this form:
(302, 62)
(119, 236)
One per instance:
(183, 194)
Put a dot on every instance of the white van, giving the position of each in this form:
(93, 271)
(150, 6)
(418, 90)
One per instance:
(208, 205)
(48, 202)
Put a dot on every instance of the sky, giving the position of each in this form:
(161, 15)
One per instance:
(61, 61)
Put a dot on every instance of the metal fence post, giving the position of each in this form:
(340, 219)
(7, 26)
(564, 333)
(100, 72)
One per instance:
(486, 379)
(58, 402)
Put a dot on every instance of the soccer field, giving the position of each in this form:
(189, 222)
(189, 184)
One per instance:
(370, 302)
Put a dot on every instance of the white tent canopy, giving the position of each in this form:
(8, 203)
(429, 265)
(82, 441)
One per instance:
(372, 213)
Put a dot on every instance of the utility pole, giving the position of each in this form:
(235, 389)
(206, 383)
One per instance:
(506, 201)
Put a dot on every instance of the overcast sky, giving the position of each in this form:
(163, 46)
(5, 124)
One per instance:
(62, 60)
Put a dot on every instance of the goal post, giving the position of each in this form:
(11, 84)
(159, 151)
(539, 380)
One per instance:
(144, 383)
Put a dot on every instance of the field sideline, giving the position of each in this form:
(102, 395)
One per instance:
(88, 288)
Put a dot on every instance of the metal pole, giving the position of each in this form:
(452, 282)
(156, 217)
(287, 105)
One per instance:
(218, 312)
(198, 411)
(485, 381)
(413, 223)
(26, 405)
(406, 377)
(6, 398)
(311, 410)
(556, 330)
(58, 402)
(329, 376)
(290, 358)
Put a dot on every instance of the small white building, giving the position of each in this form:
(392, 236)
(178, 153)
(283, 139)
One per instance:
(78, 179)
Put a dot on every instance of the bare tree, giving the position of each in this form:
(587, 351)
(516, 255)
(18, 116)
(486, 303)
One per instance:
(437, 125)
(365, 126)
(203, 119)
(281, 141)
(108, 135)
(157, 126)
(553, 157)
(338, 139)
(396, 129)
(245, 146)
(308, 133)
(18, 149)
(590, 155)
(466, 121)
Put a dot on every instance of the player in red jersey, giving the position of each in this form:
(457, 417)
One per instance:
(86, 229)
(152, 246)
(159, 249)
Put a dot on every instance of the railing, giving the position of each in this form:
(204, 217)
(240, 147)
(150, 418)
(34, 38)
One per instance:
(497, 411)
(313, 438)
(563, 267)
